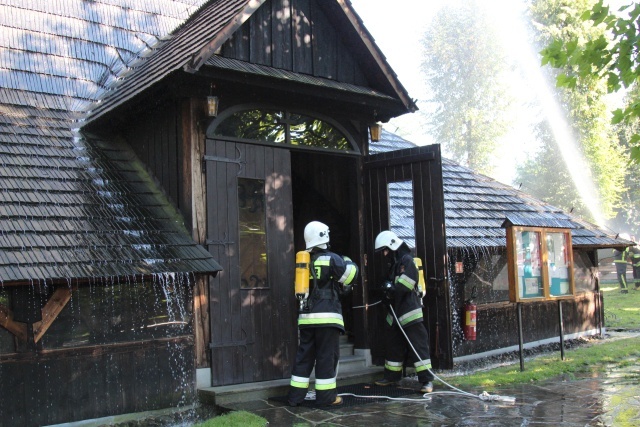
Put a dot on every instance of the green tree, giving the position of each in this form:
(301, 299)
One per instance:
(611, 56)
(464, 66)
(587, 111)
(628, 218)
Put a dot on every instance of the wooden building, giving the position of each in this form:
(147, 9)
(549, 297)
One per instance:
(159, 163)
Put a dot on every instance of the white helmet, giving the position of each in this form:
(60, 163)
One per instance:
(316, 234)
(387, 239)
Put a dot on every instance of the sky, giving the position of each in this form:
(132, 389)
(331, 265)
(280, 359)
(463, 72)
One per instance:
(398, 28)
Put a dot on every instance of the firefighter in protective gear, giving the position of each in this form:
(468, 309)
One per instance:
(635, 262)
(321, 322)
(620, 260)
(401, 293)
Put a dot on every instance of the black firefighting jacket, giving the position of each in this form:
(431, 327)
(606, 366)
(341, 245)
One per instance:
(329, 274)
(404, 277)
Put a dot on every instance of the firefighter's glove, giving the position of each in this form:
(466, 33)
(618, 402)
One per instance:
(387, 293)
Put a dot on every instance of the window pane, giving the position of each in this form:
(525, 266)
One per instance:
(123, 311)
(490, 281)
(253, 234)
(316, 133)
(258, 125)
(529, 273)
(558, 264)
(584, 272)
(401, 213)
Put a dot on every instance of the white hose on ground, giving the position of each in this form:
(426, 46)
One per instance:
(482, 396)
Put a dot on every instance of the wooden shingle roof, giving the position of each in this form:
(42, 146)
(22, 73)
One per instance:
(73, 206)
(476, 207)
(198, 40)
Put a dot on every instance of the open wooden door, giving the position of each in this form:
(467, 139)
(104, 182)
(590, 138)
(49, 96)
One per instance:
(404, 193)
(249, 225)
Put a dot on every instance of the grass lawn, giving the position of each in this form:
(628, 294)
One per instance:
(234, 419)
(621, 310)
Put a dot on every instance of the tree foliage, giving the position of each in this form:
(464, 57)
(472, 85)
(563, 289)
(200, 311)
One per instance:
(587, 112)
(464, 65)
(628, 218)
(611, 56)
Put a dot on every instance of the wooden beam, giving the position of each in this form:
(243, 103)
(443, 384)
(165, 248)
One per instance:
(16, 328)
(51, 310)
(195, 193)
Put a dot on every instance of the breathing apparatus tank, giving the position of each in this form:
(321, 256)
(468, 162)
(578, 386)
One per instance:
(303, 258)
(421, 283)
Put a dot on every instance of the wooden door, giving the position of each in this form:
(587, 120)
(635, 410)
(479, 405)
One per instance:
(404, 192)
(250, 233)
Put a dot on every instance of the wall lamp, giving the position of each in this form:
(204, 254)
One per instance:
(212, 106)
(375, 129)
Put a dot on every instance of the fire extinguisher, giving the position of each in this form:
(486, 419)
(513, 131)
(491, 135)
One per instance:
(470, 320)
(303, 259)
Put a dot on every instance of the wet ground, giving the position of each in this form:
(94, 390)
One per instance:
(611, 399)
(607, 399)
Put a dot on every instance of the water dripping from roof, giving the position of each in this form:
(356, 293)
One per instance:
(142, 247)
(471, 256)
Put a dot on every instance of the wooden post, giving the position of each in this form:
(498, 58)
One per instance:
(194, 198)
(521, 340)
(561, 329)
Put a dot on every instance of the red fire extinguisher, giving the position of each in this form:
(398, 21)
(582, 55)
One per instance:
(470, 321)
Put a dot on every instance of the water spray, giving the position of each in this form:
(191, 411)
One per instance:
(484, 396)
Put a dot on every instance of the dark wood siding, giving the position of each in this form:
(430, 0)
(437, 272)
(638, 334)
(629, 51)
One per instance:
(295, 35)
(154, 136)
(94, 382)
(253, 330)
(497, 324)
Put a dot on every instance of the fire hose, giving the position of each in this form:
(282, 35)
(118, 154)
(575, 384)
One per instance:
(484, 396)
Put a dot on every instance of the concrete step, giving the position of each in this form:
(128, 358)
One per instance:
(224, 395)
(352, 363)
(346, 349)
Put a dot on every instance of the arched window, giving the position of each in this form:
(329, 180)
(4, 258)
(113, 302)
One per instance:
(281, 127)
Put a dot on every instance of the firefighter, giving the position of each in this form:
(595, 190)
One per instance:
(400, 293)
(320, 321)
(635, 263)
(620, 260)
